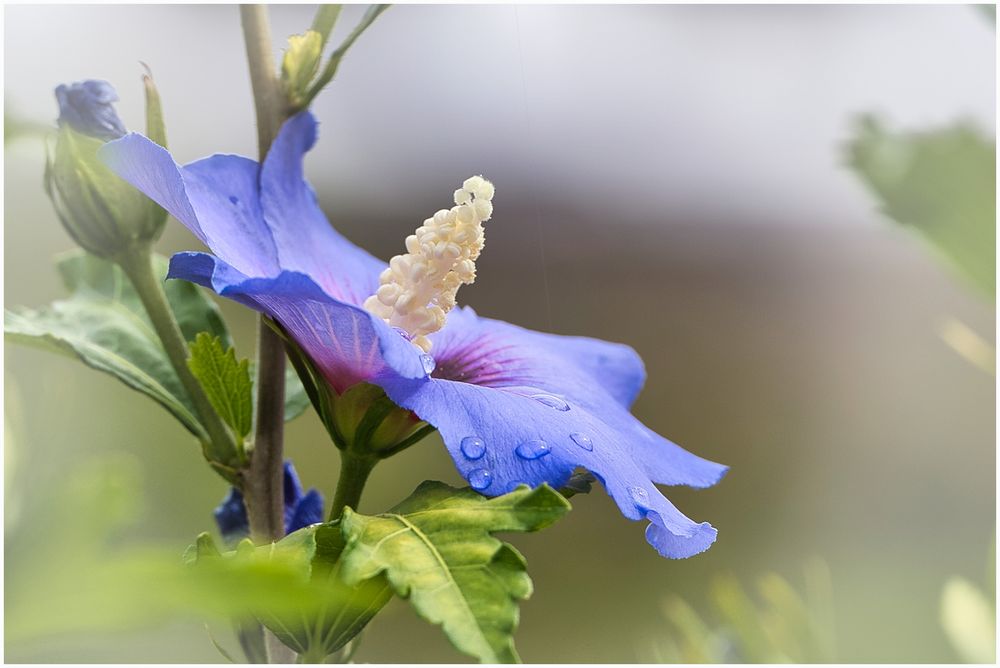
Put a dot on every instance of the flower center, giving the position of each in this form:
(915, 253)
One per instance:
(418, 289)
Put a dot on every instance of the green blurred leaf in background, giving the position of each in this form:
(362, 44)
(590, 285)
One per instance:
(781, 626)
(104, 325)
(940, 182)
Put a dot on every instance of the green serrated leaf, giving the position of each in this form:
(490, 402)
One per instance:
(436, 548)
(104, 325)
(226, 381)
(940, 182)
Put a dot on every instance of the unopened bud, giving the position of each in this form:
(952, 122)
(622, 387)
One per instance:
(104, 214)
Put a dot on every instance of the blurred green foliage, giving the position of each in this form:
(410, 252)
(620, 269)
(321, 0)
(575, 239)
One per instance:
(940, 182)
(781, 626)
(969, 619)
(17, 127)
(73, 579)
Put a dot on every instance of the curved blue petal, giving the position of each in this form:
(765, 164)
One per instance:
(259, 221)
(217, 198)
(595, 375)
(231, 517)
(346, 343)
(309, 510)
(616, 368)
(305, 240)
(292, 489)
(500, 438)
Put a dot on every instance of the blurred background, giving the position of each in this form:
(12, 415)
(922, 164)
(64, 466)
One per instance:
(671, 177)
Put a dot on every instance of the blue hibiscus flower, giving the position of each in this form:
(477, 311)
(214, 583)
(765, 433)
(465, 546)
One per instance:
(513, 406)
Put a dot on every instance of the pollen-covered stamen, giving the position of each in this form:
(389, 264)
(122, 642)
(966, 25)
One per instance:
(418, 289)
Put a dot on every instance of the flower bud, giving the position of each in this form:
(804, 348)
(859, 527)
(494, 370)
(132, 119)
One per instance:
(104, 214)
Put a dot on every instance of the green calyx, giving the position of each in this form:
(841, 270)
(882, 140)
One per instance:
(362, 420)
(365, 421)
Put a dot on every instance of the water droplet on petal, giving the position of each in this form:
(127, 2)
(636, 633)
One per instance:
(582, 440)
(473, 447)
(405, 334)
(428, 363)
(480, 479)
(639, 496)
(551, 401)
(532, 449)
(234, 199)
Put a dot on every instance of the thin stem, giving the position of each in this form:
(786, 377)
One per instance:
(263, 488)
(264, 481)
(268, 100)
(354, 470)
(137, 264)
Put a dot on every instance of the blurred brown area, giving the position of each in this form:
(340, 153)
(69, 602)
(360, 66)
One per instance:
(803, 353)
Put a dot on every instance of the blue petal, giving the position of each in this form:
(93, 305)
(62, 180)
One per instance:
(529, 440)
(260, 222)
(88, 107)
(595, 375)
(292, 489)
(614, 367)
(217, 198)
(231, 517)
(308, 511)
(305, 240)
(347, 343)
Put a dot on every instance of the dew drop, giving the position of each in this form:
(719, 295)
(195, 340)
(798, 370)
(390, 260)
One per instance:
(551, 401)
(582, 440)
(473, 447)
(532, 449)
(480, 479)
(234, 199)
(428, 363)
(639, 496)
(405, 334)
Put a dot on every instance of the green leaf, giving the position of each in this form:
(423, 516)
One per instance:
(342, 611)
(330, 70)
(226, 381)
(104, 325)
(942, 183)
(325, 19)
(436, 549)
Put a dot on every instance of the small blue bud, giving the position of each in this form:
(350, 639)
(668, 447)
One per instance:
(104, 214)
(88, 108)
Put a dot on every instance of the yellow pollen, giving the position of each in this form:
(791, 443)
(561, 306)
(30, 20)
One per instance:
(418, 289)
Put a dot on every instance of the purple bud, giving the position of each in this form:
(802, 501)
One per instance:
(88, 108)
